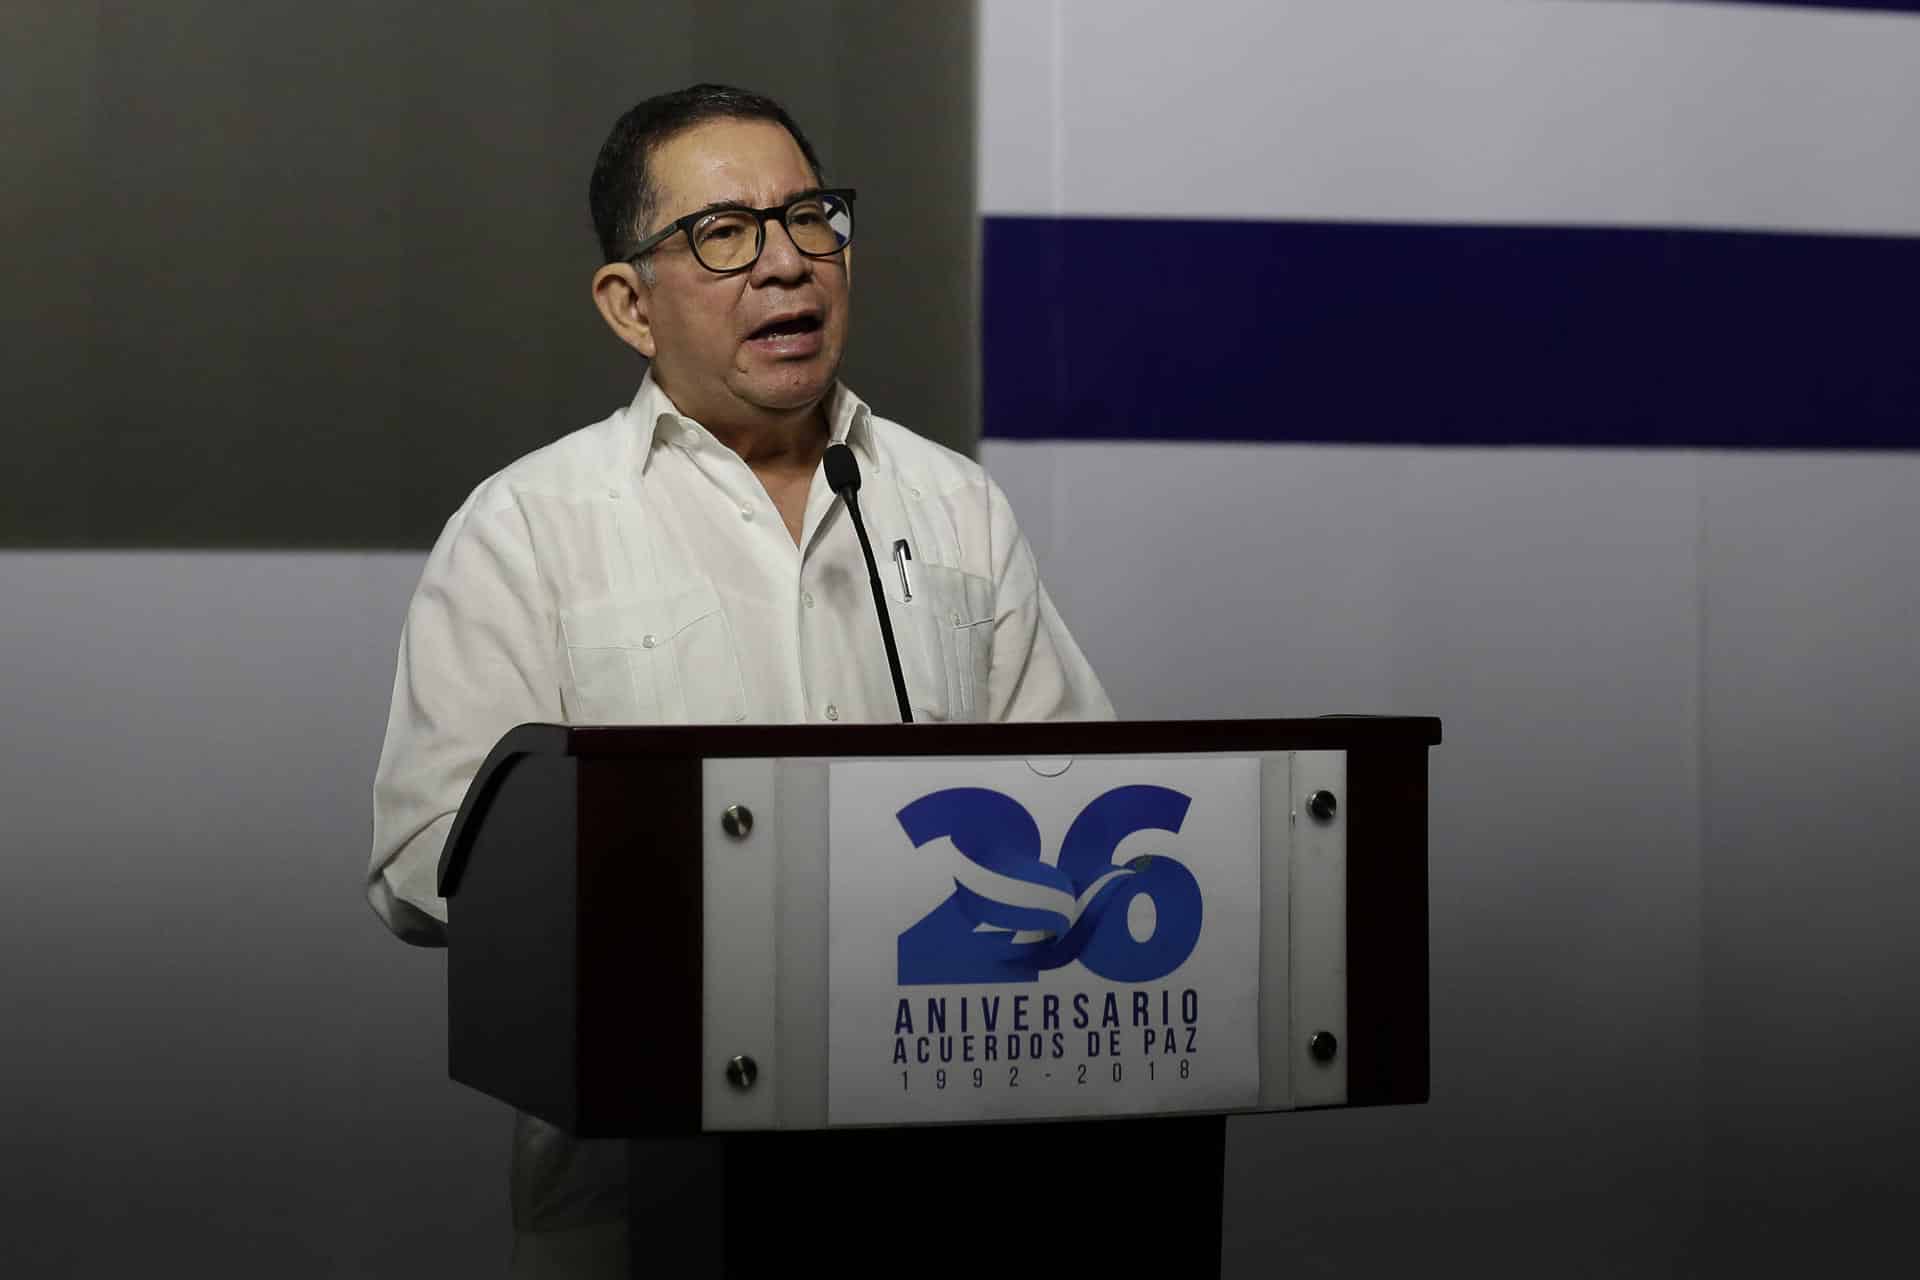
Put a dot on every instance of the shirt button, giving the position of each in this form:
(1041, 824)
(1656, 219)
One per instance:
(806, 598)
(833, 712)
(955, 616)
(914, 492)
(646, 642)
(746, 512)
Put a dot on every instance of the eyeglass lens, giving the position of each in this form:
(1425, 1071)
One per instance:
(730, 239)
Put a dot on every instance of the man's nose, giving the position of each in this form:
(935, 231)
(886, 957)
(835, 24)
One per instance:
(780, 258)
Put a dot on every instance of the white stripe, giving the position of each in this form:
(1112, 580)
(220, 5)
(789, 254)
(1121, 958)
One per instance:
(1526, 111)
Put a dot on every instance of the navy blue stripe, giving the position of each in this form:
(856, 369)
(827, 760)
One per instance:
(1889, 6)
(1448, 334)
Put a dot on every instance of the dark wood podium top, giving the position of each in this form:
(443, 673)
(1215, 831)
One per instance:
(1028, 738)
(1076, 737)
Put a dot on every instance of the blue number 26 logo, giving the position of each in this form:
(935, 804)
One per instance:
(1076, 910)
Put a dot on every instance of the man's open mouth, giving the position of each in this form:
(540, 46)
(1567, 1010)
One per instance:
(790, 327)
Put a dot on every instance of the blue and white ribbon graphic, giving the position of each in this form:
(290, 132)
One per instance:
(1012, 915)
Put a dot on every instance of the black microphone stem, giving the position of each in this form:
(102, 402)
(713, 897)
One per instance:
(880, 607)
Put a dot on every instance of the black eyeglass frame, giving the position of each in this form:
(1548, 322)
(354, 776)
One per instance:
(760, 217)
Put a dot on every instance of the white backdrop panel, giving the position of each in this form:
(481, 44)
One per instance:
(1544, 604)
(1493, 111)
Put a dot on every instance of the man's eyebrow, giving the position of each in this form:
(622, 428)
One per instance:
(720, 205)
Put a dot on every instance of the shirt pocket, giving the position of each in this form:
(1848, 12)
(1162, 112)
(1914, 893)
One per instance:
(958, 631)
(668, 659)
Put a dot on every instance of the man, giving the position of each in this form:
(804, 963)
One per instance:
(684, 560)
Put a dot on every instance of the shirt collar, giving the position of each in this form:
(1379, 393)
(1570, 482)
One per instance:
(848, 418)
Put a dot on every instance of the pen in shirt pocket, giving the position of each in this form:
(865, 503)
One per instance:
(902, 553)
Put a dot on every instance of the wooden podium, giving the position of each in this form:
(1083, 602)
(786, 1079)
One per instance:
(638, 941)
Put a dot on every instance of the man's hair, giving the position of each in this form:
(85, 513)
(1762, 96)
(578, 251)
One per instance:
(622, 194)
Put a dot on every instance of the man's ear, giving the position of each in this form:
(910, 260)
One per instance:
(625, 302)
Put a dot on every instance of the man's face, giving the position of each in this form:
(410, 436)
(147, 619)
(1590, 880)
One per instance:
(733, 348)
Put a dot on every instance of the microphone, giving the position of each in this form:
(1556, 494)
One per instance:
(843, 477)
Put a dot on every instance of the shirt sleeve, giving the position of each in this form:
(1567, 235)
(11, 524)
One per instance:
(476, 659)
(1038, 671)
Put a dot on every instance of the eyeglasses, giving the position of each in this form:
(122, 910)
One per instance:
(730, 239)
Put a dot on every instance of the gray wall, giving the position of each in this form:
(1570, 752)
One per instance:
(217, 1060)
(292, 275)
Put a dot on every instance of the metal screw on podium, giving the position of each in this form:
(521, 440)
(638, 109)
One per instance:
(742, 1072)
(737, 821)
(1322, 806)
(1323, 1046)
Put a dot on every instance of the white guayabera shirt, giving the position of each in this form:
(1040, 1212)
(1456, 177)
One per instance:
(635, 572)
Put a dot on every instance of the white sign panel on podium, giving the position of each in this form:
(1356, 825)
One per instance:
(1015, 940)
